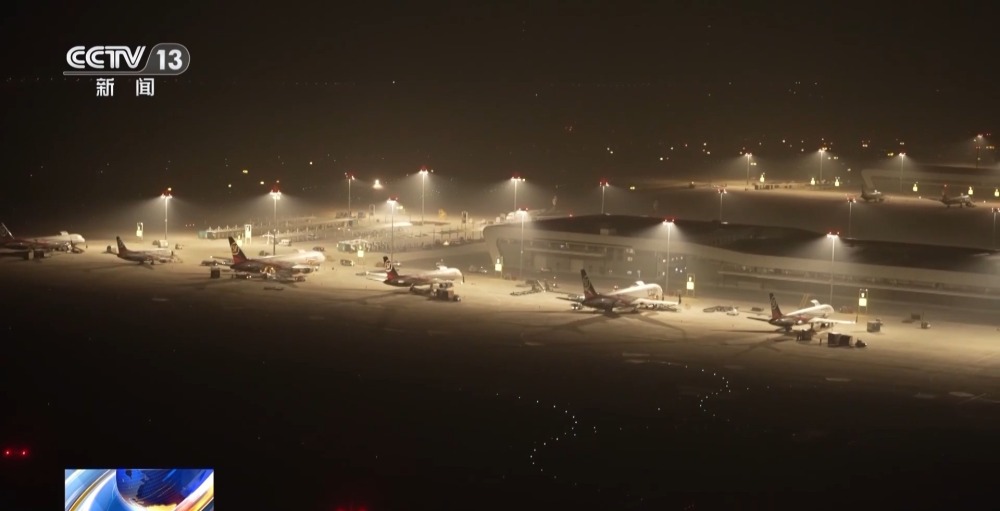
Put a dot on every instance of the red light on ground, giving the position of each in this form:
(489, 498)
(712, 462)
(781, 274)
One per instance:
(24, 452)
(6, 452)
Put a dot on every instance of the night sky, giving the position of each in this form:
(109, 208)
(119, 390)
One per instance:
(480, 92)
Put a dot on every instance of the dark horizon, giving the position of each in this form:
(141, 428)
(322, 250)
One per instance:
(480, 93)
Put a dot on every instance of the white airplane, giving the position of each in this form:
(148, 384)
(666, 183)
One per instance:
(620, 299)
(960, 200)
(285, 266)
(441, 274)
(63, 241)
(143, 256)
(872, 195)
(817, 314)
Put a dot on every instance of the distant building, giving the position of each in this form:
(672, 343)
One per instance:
(630, 248)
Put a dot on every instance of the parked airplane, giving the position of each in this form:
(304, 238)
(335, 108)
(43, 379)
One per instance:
(63, 241)
(618, 300)
(873, 195)
(958, 200)
(817, 314)
(441, 274)
(143, 256)
(285, 266)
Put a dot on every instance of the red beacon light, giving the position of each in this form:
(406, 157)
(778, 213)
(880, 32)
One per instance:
(14, 452)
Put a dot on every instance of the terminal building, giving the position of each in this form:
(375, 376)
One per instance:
(683, 256)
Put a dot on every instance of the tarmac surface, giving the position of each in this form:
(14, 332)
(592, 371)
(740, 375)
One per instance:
(341, 391)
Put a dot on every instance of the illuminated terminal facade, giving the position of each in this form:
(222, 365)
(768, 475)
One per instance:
(713, 254)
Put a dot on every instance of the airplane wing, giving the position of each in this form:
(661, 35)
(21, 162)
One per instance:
(831, 321)
(285, 268)
(758, 318)
(655, 304)
(572, 298)
(376, 276)
(638, 287)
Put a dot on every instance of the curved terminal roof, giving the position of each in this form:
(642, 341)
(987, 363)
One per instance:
(781, 241)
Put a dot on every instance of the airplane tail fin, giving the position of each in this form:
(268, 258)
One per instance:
(121, 245)
(775, 310)
(238, 255)
(5, 232)
(390, 270)
(588, 288)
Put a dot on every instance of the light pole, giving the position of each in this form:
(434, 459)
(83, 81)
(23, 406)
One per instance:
(822, 156)
(722, 191)
(995, 211)
(748, 171)
(166, 196)
(392, 228)
(850, 214)
(666, 281)
(276, 195)
(604, 186)
(423, 183)
(350, 177)
(902, 158)
(523, 212)
(376, 186)
(979, 145)
(516, 179)
(833, 247)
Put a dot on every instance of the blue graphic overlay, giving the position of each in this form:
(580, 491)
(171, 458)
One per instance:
(131, 489)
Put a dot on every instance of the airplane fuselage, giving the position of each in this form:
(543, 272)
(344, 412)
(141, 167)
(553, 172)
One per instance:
(962, 200)
(142, 257)
(300, 262)
(426, 278)
(47, 243)
(803, 316)
(605, 303)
